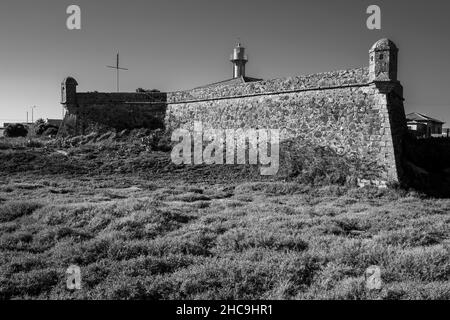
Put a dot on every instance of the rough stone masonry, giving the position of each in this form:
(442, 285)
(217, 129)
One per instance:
(358, 113)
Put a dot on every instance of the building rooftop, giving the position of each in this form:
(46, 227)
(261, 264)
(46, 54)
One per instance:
(230, 82)
(416, 116)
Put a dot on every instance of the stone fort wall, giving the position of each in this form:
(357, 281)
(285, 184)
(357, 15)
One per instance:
(358, 113)
(342, 110)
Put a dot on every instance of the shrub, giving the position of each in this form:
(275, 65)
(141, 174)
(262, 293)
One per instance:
(46, 129)
(50, 131)
(39, 122)
(15, 130)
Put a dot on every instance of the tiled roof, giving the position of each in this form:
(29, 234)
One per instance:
(231, 82)
(416, 116)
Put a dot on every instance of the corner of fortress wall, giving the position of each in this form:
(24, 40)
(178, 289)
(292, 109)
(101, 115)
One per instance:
(358, 113)
(342, 110)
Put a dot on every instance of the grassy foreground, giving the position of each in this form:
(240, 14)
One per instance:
(138, 237)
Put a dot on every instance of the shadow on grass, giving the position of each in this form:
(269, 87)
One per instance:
(426, 165)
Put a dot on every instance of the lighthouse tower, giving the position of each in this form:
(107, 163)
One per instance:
(238, 59)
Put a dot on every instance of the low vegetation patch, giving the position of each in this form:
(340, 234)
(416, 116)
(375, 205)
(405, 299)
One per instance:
(265, 240)
(141, 228)
(14, 210)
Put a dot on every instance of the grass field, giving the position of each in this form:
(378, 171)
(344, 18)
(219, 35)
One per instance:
(140, 229)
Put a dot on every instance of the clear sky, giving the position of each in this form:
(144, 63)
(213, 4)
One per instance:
(171, 45)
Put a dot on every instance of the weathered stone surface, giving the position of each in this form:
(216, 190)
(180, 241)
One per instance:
(349, 119)
(314, 81)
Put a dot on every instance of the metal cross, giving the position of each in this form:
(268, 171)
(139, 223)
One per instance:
(118, 68)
